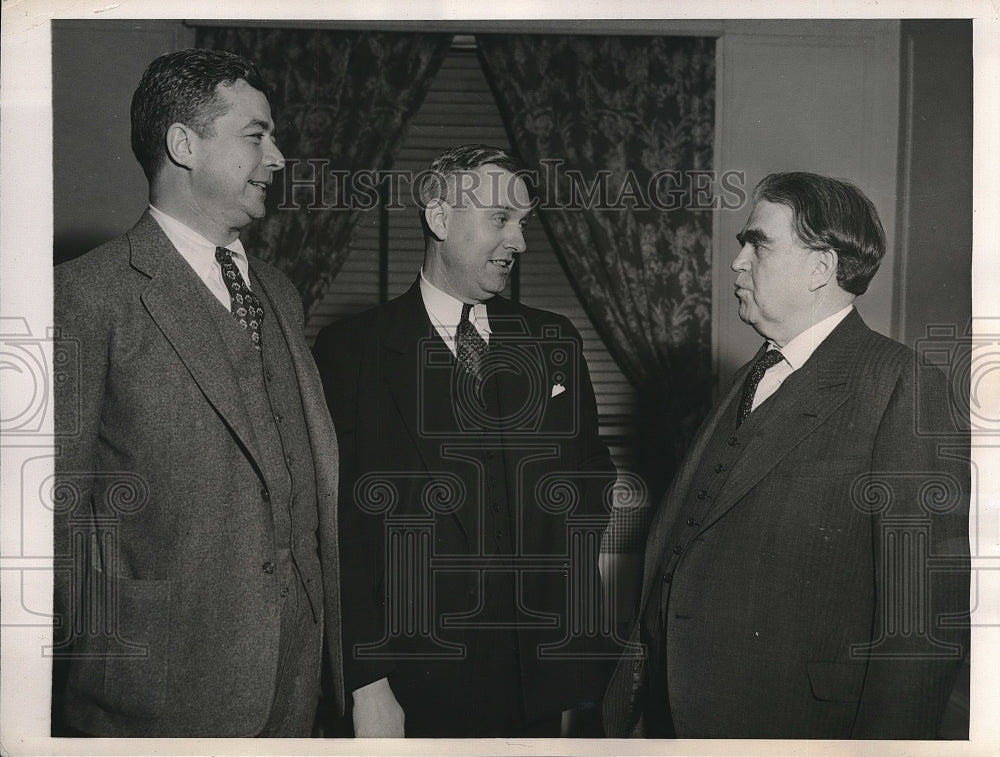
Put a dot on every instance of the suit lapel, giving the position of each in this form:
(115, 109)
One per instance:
(418, 368)
(185, 323)
(407, 341)
(511, 391)
(805, 400)
(322, 436)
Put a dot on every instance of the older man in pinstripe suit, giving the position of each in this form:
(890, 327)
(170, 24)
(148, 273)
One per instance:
(806, 576)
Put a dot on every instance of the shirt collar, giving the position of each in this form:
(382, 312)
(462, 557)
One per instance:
(446, 311)
(801, 348)
(198, 251)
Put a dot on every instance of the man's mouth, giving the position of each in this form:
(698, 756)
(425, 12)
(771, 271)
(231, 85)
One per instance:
(503, 263)
(262, 186)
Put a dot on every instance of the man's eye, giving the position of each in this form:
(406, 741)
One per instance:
(256, 137)
(500, 220)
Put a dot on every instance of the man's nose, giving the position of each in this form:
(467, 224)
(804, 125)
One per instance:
(516, 240)
(742, 260)
(273, 158)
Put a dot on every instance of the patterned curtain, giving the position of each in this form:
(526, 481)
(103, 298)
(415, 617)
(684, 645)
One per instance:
(619, 128)
(341, 102)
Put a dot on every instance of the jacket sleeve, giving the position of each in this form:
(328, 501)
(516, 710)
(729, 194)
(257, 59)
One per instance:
(339, 353)
(919, 498)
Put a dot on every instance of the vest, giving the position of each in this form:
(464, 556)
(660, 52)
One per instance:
(722, 452)
(271, 396)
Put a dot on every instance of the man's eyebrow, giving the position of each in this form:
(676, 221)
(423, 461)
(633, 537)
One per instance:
(752, 236)
(502, 206)
(256, 123)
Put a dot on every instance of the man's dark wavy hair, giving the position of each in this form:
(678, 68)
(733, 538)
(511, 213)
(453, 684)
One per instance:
(180, 87)
(830, 214)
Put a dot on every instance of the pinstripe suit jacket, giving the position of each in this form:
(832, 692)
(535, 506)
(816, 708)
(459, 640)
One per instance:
(159, 466)
(790, 614)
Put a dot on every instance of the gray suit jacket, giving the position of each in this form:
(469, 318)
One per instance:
(854, 465)
(168, 618)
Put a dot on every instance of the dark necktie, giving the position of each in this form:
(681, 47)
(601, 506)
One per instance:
(765, 361)
(244, 303)
(470, 347)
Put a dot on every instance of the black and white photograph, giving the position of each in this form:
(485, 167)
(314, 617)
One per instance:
(619, 379)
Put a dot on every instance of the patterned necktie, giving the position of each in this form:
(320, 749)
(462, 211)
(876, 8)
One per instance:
(470, 347)
(765, 361)
(245, 305)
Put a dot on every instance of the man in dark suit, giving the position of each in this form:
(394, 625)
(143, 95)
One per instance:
(196, 544)
(473, 483)
(806, 576)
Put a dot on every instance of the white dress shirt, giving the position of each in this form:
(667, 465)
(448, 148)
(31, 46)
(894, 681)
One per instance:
(445, 312)
(795, 354)
(200, 254)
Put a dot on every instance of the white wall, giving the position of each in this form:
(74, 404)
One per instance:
(817, 96)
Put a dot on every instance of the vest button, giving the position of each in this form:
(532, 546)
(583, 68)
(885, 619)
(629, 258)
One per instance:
(702, 494)
(733, 441)
(719, 468)
(493, 481)
(268, 567)
(265, 494)
(692, 522)
(668, 577)
(678, 549)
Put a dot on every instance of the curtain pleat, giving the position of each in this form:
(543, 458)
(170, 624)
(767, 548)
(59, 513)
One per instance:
(621, 128)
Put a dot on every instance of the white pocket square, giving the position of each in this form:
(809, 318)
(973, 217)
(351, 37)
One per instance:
(557, 389)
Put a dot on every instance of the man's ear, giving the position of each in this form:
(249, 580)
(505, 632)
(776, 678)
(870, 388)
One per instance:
(436, 215)
(180, 145)
(825, 269)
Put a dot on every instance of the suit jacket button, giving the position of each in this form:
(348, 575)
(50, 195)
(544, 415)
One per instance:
(668, 577)
(702, 494)
(692, 522)
(493, 481)
(265, 494)
(733, 441)
(268, 567)
(719, 468)
(495, 507)
(678, 549)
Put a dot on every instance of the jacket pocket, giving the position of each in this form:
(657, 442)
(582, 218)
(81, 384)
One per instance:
(136, 663)
(836, 681)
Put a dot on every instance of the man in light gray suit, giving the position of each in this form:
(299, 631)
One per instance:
(196, 544)
(807, 574)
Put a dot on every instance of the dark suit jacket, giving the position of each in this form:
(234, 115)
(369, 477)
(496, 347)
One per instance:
(156, 459)
(387, 376)
(855, 460)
